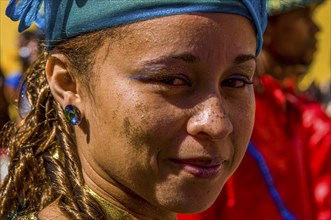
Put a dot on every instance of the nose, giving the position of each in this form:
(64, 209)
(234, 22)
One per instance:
(209, 120)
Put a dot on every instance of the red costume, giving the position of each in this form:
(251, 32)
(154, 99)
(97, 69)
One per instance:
(286, 173)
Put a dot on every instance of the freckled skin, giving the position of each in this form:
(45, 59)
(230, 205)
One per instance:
(126, 127)
(142, 119)
(136, 136)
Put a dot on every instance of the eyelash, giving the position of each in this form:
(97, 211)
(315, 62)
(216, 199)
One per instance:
(231, 82)
(170, 80)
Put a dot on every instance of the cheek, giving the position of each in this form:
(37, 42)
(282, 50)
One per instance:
(242, 116)
(135, 123)
(124, 120)
(121, 131)
(131, 122)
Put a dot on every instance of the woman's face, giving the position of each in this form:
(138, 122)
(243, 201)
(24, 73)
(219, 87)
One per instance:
(293, 37)
(171, 113)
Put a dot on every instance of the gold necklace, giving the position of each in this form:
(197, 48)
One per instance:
(110, 210)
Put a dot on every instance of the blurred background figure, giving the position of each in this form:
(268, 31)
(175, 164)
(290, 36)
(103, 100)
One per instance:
(3, 163)
(289, 48)
(286, 173)
(28, 50)
(4, 118)
(320, 93)
(28, 45)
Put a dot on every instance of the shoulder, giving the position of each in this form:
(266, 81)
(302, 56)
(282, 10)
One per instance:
(52, 212)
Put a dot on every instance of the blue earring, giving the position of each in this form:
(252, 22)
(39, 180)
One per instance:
(72, 114)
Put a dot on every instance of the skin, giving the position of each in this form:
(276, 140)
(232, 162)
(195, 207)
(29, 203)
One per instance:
(170, 114)
(290, 43)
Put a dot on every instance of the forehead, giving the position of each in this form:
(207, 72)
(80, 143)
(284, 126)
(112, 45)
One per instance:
(198, 23)
(292, 15)
(227, 32)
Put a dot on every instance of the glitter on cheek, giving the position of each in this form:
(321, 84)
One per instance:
(135, 135)
(135, 127)
(126, 126)
(138, 137)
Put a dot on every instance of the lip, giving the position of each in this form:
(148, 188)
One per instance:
(202, 168)
(313, 44)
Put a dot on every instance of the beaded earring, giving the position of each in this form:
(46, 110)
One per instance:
(72, 114)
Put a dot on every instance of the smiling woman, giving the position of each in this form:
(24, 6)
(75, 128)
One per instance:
(163, 92)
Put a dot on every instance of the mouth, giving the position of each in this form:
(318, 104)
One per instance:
(313, 44)
(202, 168)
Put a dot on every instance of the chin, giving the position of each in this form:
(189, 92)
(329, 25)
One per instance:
(198, 206)
(307, 61)
(308, 58)
(199, 203)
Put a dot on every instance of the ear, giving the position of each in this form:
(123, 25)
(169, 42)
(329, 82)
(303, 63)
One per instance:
(63, 85)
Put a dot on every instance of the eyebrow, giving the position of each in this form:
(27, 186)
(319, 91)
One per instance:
(244, 58)
(186, 57)
(190, 58)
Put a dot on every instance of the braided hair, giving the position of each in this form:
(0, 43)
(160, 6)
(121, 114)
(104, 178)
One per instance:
(44, 162)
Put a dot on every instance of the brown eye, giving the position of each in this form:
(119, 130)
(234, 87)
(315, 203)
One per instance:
(173, 80)
(239, 82)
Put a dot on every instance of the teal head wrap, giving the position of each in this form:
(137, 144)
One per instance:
(65, 19)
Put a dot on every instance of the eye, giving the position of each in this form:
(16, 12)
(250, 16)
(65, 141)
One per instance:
(236, 82)
(178, 80)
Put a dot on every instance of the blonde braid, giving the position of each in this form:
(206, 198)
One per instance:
(37, 175)
(24, 187)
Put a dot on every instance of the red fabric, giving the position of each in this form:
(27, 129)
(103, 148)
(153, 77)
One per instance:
(3, 151)
(294, 136)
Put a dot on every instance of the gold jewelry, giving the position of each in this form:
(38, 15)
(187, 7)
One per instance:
(111, 211)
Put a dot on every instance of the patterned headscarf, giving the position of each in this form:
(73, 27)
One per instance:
(65, 19)
(281, 6)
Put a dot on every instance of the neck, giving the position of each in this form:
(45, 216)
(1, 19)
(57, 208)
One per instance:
(121, 197)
